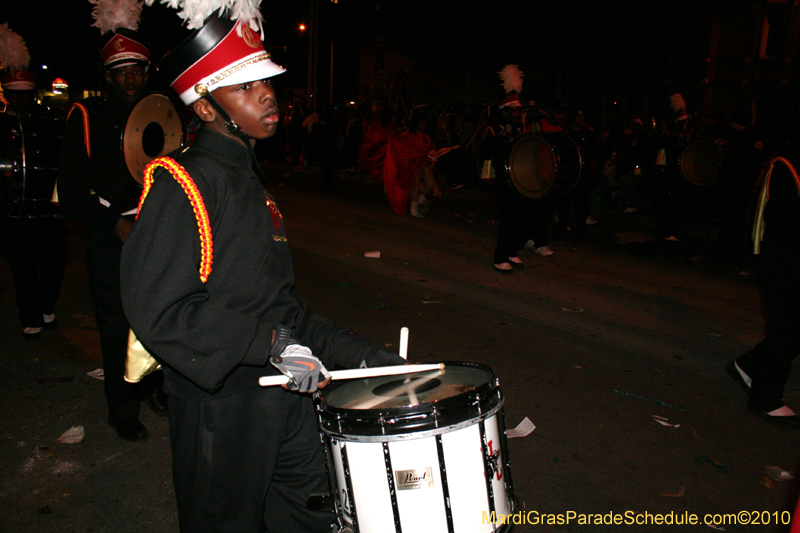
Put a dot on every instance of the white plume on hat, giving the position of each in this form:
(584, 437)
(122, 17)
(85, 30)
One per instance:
(13, 52)
(677, 103)
(511, 77)
(109, 15)
(195, 12)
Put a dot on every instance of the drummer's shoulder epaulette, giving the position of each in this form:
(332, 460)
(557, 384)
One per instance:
(758, 223)
(85, 115)
(198, 206)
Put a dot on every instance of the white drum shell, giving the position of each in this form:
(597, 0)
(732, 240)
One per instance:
(421, 506)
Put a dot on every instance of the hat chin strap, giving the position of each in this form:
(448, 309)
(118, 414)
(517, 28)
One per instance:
(230, 125)
(234, 128)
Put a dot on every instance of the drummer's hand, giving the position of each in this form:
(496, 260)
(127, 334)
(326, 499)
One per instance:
(123, 228)
(383, 358)
(301, 367)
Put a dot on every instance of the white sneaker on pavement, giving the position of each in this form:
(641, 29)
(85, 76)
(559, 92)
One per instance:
(544, 251)
(591, 221)
(529, 244)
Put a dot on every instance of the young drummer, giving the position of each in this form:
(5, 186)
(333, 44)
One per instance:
(208, 288)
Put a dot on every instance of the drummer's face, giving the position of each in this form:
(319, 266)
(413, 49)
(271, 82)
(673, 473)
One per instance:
(127, 82)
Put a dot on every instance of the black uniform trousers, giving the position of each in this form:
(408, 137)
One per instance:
(246, 462)
(517, 217)
(37, 255)
(123, 398)
(770, 362)
(579, 196)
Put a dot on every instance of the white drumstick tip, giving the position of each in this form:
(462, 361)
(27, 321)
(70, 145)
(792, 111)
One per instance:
(404, 343)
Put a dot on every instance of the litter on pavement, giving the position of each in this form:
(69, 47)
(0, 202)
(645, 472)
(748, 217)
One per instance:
(71, 436)
(663, 421)
(523, 429)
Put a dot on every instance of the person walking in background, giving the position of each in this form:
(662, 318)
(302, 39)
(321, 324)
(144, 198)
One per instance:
(96, 188)
(32, 228)
(763, 371)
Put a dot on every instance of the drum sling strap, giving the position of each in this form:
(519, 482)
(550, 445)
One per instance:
(763, 197)
(139, 362)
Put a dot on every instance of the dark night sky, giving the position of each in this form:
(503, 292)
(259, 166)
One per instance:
(465, 40)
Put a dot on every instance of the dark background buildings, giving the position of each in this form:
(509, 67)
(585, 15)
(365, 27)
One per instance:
(615, 60)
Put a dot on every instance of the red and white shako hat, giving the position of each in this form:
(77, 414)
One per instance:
(18, 80)
(223, 52)
(124, 48)
(14, 59)
(118, 21)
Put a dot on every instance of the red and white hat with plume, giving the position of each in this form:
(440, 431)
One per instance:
(14, 60)
(118, 21)
(511, 76)
(226, 49)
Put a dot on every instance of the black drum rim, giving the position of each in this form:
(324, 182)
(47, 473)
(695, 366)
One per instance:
(428, 418)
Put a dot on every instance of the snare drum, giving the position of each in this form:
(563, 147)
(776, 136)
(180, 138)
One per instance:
(29, 150)
(418, 452)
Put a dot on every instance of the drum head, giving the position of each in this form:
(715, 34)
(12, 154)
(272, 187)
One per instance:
(532, 165)
(406, 390)
(153, 130)
(395, 404)
(701, 160)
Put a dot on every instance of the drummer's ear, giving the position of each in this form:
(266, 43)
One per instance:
(204, 110)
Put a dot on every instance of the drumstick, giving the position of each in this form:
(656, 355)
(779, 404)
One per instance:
(355, 373)
(408, 389)
(404, 343)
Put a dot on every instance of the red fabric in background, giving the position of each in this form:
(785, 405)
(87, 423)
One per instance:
(373, 149)
(404, 157)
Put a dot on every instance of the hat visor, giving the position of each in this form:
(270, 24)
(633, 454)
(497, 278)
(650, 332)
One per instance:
(258, 70)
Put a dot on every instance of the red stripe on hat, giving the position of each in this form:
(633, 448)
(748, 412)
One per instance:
(121, 47)
(229, 51)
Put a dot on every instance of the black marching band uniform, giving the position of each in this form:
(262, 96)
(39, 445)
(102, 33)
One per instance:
(243, 455)
(32, 228)
(96, 188)
(765, 369)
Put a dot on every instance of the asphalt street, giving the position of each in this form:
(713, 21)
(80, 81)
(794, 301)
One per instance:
(590, 344)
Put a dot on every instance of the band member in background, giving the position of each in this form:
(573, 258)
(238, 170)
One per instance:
(96, 188)
(243, 456)
(579, 195)
(763, 371)
(33, 232)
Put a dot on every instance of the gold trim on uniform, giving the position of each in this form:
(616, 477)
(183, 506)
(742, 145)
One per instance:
(279, 238)
(236, 68)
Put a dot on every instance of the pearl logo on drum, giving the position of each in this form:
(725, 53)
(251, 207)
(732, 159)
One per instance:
(413, 479)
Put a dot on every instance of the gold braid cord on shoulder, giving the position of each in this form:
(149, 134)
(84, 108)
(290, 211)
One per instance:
(85, 115)
(140, 362)
(198, 206)
(758, 223)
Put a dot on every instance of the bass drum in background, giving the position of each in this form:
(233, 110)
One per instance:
(153, 129)
(29, 152)
(700, 161)
(544, 163)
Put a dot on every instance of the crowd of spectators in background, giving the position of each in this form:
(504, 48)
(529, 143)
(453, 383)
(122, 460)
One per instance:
(633, 167)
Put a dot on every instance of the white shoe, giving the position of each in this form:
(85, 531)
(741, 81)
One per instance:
(591, 221)
(529, 244)
(415, 212)
(629, 210)
(671, 238)
(544, 251)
